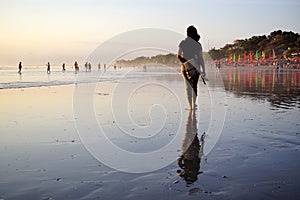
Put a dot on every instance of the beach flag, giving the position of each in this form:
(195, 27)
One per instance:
(250, 56)
(230, 57)
(274, 56)
(263, 54)
(256, 55)
(239, 58)
(234, 57)
(245, 55)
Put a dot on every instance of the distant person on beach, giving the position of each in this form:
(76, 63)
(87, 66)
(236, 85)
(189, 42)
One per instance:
(48, 68)
(99, 67)
(190, 55)
(63, 67)
(90, 66)
(86, 66)
(219, 65)
(76, 67)
(20, 67)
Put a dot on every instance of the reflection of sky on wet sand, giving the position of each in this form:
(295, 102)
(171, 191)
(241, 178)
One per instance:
(139, 112)
(33, 115)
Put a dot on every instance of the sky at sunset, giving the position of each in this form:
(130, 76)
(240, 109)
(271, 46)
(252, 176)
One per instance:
(37, 31)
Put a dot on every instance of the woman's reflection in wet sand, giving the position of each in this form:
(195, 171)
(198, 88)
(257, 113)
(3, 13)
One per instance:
(192, 151)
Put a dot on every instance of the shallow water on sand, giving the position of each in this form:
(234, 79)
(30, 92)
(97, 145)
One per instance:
(256, 157)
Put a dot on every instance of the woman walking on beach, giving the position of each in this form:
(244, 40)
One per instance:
(190, 55)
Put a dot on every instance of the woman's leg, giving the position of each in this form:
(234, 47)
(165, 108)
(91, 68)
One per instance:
(188, 89)
(195, 88)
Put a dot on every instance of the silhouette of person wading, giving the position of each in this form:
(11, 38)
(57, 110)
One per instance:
(48, 67)
(20, 68)
(190, 55)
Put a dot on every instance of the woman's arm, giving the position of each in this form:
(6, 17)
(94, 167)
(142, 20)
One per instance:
(201, 60)
(180, 58)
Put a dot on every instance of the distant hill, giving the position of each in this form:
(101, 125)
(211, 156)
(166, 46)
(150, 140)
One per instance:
(168, 59)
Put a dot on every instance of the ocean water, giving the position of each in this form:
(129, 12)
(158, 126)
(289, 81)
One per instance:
(37, 76)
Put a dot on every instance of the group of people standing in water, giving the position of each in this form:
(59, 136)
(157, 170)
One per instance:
(88, 67)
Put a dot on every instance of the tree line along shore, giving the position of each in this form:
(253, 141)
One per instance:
(279, 48)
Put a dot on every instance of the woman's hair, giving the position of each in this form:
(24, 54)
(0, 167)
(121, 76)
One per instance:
(192, 33)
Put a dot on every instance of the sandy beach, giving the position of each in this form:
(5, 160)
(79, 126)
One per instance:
(54, 138)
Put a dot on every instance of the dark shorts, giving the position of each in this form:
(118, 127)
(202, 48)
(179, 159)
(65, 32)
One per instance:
(192, 76)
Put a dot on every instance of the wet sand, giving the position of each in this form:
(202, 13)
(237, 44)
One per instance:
(256, 157)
